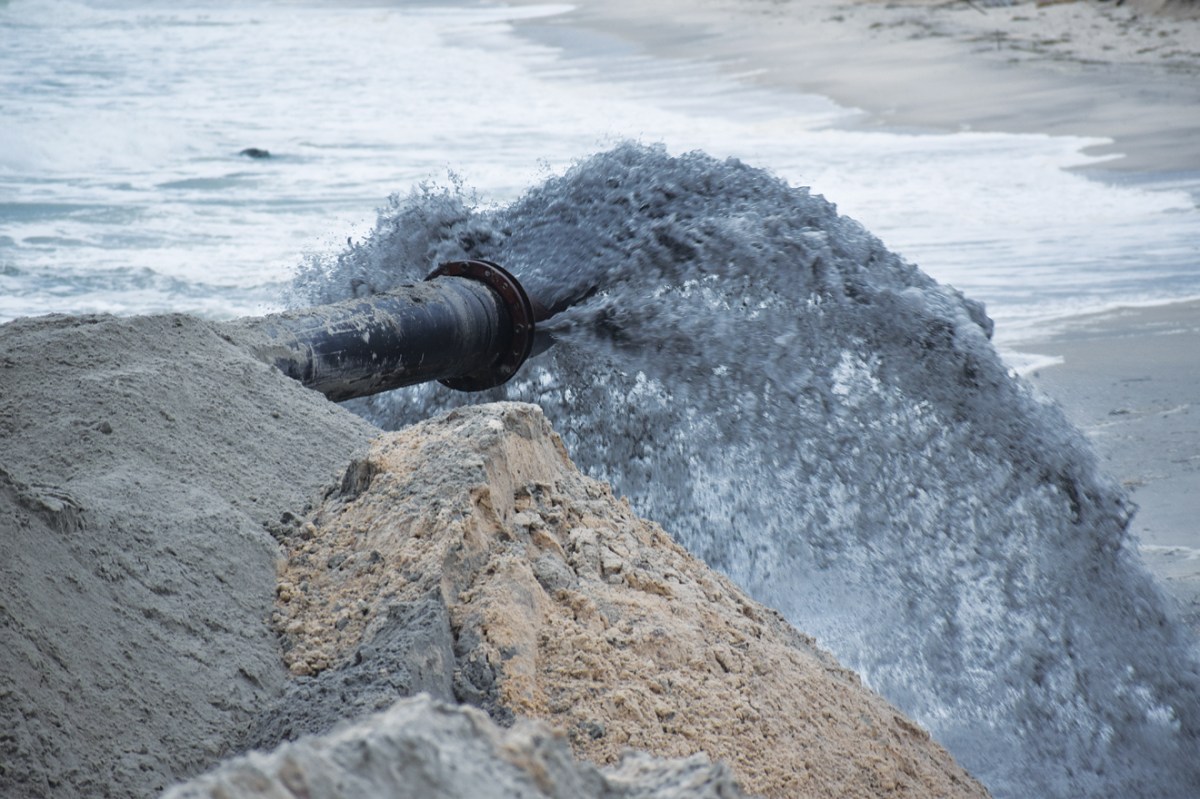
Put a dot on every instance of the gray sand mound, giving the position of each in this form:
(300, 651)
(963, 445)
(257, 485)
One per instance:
(140, 461)
(557, 602)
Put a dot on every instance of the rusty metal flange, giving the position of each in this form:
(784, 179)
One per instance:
(520, 313)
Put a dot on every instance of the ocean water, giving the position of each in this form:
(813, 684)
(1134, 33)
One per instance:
(803, 407)
(122, 188)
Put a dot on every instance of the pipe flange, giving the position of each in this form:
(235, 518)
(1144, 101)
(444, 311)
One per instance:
(520, 313)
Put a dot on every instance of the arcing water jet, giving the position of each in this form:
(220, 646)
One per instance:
(833, 429)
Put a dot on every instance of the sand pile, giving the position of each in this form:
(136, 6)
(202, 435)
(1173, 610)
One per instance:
(556, 602)
(150, 472)
(145, 466)
(141, 463)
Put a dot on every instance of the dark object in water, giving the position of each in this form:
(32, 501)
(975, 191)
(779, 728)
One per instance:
(469, 325)
(254, 152)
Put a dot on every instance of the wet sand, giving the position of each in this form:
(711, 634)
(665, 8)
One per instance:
(1079, 68)
(1128, 73)
(1130, 379)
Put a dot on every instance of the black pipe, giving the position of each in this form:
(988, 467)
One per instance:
(469, 325)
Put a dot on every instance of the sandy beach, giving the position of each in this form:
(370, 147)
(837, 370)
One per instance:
(1125, 72)
(1116, 71)
(1128, 379)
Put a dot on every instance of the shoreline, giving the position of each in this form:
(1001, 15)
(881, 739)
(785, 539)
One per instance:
(1065, 68)
(1130, 380)
(1127, 377)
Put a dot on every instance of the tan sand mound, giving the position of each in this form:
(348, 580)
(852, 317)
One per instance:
(565, 606)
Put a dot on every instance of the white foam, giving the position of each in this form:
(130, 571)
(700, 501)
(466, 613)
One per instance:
(1026, 363)
(1175, 552)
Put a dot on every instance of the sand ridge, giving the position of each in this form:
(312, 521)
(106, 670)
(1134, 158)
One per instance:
(567, 607)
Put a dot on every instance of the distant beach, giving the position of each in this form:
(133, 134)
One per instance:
(1125, 71)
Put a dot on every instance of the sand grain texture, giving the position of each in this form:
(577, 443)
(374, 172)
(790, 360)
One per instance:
(1121, 71)
(567, 607)
(423, 749)
(141, 462)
